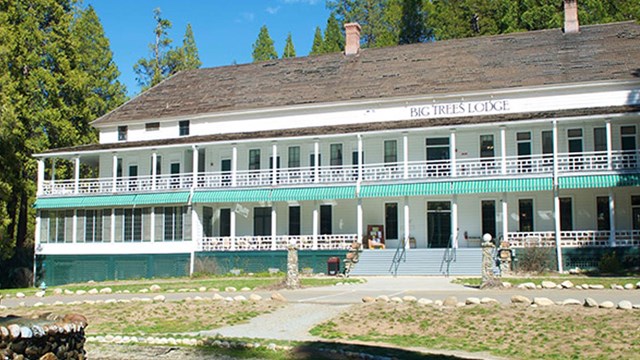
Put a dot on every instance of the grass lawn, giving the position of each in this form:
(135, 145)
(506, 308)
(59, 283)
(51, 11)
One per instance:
(508, 331)
(576, 280)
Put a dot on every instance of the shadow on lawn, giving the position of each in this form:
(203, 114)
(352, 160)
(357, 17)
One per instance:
(338, 351)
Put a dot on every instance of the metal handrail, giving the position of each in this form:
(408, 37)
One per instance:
(448, 257)
(399, 256)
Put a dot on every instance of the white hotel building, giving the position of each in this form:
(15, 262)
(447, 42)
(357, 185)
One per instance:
(530, 137)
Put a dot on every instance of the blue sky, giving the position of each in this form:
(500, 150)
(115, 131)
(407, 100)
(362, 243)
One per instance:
(224, 30)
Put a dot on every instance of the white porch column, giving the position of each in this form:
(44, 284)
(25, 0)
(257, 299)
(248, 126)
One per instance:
(233, 229)
(454, 221)
(503, 150)
(612, 218)
(195, 169)
(274, 227)
(274, 164)
(53, 171)
(316, 160)
(452, 151)
(505, 217)
(407, 230)
(152, 223)
(316, 224)
(405, 155)
(114, 172)
(113, 225)
(195, 237)
(74, 231)
(76, 174)
(154, 169)
(234, 165)
(556, 198)
(609, 144)
(40, 177)
(360, 160)
(360, 220)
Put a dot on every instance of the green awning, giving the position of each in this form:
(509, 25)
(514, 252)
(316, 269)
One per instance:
(162, 198)
(84, 201)
(502, 185)
(225, 196)
(58, 203)
(394, 190)
(314, 193)
(598, 181)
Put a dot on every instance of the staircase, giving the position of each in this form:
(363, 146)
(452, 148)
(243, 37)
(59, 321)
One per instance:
(467, 261)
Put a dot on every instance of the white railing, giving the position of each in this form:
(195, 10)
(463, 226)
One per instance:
(581, 238)
(474, 167)
(280, 242)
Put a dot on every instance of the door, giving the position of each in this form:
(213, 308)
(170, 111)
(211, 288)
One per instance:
(262, 221)
(523, 140)
(438, 224)
(487, 150)
(574, 139)
(202, 163)
(354, 161)
(438, 155)
(489, 217)
(225, 222)
(566, 214)
(225, 170)
(547, 149)
(175, 175)
(326, 220)
(133, 177)
(628, 146)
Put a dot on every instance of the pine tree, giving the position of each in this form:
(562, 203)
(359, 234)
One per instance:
(317, 46)
(263, 48)
(333, 38)
(189, 52)
(413, 23)
(289, 51)
(152, 71)
(368, 13)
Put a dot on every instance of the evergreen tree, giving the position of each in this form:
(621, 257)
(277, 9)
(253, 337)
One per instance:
(189, 57)
(368, 13)
(413, 23)
(289, 51)
(333, 38)
(161, 64)
(317, 46)
(263, 48)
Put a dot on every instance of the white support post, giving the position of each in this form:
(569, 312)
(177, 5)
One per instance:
(505, 217)
(233, 229)
(195, 237)
(609, 144)
(503, 150)
(74, 231)
(115, 173)
(152, 224)
(612, 218)
(452, 151)
(274, 163)
(406, 220)
(234, 165)
(274, 227)
(316, 224)
(195, 170)
(40, 177)
(113, 225)
(316, 160)
(556, 198)
(360, 220)
(360, 159)
(405, 155)
(76, 174)
(53, 171)
(154, 169)
(454, 221)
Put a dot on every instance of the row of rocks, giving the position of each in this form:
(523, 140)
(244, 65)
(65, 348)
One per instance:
(567, 284)
(108, 290)
(450, 301)
(588, 302)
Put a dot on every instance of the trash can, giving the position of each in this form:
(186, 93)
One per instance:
(333, 266)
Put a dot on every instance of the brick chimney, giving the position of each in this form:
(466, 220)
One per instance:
(571, 24)
(352, 31)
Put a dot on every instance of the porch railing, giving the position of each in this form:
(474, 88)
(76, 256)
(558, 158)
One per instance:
(568, 163)
(280, 242)
(581, 238)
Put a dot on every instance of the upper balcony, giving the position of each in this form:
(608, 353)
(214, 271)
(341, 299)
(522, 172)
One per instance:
(408, 171)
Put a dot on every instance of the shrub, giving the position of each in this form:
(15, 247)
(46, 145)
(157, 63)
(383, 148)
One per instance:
(609, 264)
(536, 259)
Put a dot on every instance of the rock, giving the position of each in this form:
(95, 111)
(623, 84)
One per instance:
(155, 288)
(14, 331)
(106, 290)
(424, 301)
(80, 292)
(93, 292)
(159, 298)
(543, 301)
(202, 289)
(255, 297)
(20, 295)
(48, 356)
(239, 298)
(438, 303)
(507, 285)
(527, 285)
(607, 305)
(58, 303)
(519, 299)
(409, 298)
(245, 289)
(39, 294)
(278, 297)
(578, 287)
(488, 300)
(548, 284)
(38, 304)
(629, 286)
(143, 291)
(368, 299)
(4, 333)
(217, 297)
(617, 287)
(585, 286)
(625, 305)
(450, 301)
(57, 291)
(636, 306)
(638, 285)
(214, 289)
(197, 298)
(596, 287)
(571, 302)
(538, 286)
(589, 302)
(382, 298)
(396, 299)
(472, 301)
(68, 292)
(229, 299)
(230, 289)
(25, 332)
(567, 284)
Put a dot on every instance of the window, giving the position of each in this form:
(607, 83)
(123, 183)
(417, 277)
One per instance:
(225, 168)
(132, 225)
(56, 226)
(523, 139)
(438, 149)
(566, 214)
(254, 159)
(326, 220)
(174, 223)
(547, 142)
(390, 152)
(225, 222)
(635, 211)
(183, 127)
(154, 126)
(599, 139)
(262, 221)
(158, 164)
(391, 220)
(486, 146)
(628, 138)
(93, 225)
(207, 221)
(119, 168)
(133, 177)
(294, 220)
(122, 133)
(312, 160)
(294, 157)
(488, 208)
(575, 140)
(525, 211)
(336, 154)
(604, 216)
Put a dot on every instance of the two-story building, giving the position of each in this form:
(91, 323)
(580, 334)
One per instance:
(529, 137)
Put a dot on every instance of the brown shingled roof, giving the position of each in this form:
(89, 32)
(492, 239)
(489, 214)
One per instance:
(598, 52)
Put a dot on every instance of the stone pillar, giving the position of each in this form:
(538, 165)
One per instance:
(488, 276)
(292, 280)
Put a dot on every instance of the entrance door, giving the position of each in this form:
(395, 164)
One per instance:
(438, 224)
(489, 218)
(262, 221)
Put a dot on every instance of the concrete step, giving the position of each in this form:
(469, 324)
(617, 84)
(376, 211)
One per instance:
(419, 262)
